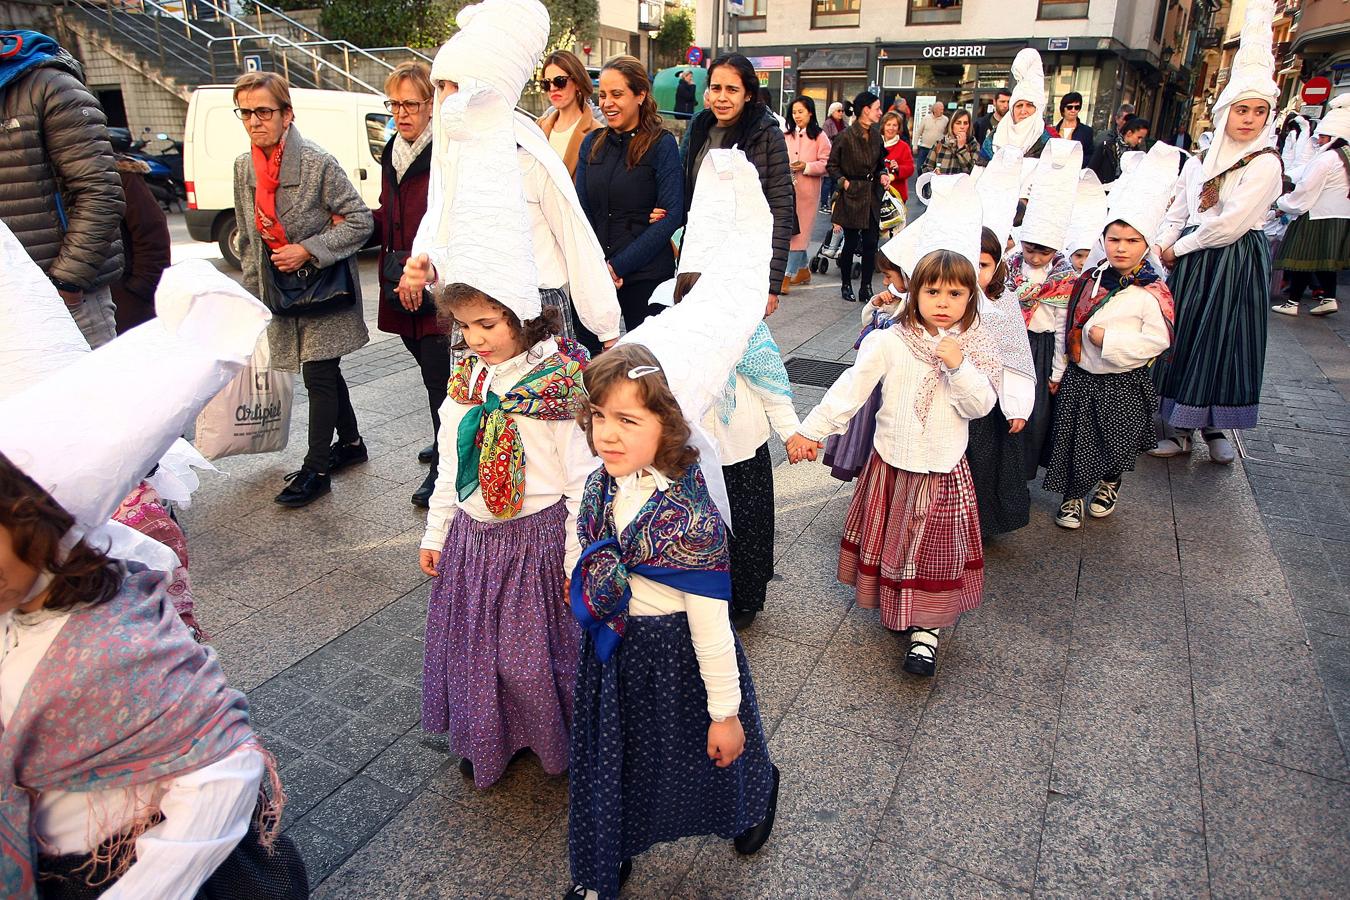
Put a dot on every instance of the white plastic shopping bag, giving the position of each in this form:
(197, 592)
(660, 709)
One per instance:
(252, 414)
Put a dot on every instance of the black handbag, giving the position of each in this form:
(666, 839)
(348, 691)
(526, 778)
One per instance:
(309, 290)
(391, 272)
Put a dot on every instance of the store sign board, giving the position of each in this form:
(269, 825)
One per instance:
(1311, 111)
(770, 62)
(954, 51)
(1057, 43)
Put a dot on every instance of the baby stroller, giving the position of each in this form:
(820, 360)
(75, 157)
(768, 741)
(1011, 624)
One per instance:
(892, 220)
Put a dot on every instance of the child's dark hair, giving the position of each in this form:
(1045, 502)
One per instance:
(684, 283)
(884, 263)
(547, 325)
(611, 368)
(989, 243)
(939, 267)
(36, 524)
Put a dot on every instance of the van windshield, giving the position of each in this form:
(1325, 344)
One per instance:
(379, 129)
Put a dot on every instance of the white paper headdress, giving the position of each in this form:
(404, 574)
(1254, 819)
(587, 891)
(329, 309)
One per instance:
(953, 220)
(1054, 187)
(1142, 195)
(1030, 86)
(1252, 77)
(499, 42)
(729, 240)
(1336, 123)
(999, 185)
(1089, 214)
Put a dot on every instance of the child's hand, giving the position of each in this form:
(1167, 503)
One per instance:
(1016, 425)
(1096, 335)
(726, 741)
(800, 448)
(949, 351)
(656, 216)
(429, 560)
(882, 299)
(1054, 388)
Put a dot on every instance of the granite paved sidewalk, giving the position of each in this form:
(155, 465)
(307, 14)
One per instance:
(1148, 706)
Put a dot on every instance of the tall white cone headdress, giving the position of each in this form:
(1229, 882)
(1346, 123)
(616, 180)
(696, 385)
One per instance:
(1030, 77)
(88, 432)
(1141, 196)
(1252, 78)
(999, 185)
(1054, 187)
(1089, 214)
(1336, 123)
(729, 240)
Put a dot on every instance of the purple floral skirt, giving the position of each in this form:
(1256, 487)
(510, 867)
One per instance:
(501, 646)
(846, 454)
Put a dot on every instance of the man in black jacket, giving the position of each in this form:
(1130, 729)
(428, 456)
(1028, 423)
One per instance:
(989, 121)
(59, 189)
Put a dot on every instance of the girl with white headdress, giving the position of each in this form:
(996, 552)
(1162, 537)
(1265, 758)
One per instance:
(1317, 244)
(1220, 259)
(667, 741)
(1024, 126)
(501, 649)
(911, 542)
(1119, 320)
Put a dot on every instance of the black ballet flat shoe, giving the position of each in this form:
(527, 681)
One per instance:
(343, 455)
(749, 841)
(742, 619)
(422, 496)
(426, 454)
(303, 488)
(466, 767)
(919, 662)
(578, 892)
(625, 872)
(846, 291)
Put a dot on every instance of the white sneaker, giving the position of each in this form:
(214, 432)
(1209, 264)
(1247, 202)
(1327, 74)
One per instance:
(1286, 308)
(1173, 446)
(1220, 449)
(1070, 514)
(1104, 499)
(1326, 307)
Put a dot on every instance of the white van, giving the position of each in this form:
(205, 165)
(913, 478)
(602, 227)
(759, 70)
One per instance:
(354, 127)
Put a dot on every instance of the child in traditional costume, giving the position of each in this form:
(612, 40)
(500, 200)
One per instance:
(1087, 221)
(911, 541)
(501, 648)
(667, 741)
(129, 765)
(1120, 319)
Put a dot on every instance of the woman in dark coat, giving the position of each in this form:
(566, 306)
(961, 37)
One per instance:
(405, 168)
(737, 118)
(145, 247)
(856, 164)
(629, 183)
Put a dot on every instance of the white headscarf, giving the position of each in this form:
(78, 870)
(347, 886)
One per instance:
(1030, 76)
(1336, 123)
(1252, 78)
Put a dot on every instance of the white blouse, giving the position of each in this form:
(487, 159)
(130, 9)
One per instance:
(557, 459)
(756, 413)
(206, 811)
(1244, 200)
(709, 618)
(1322, 190)
(962, 394)
(1134, 332)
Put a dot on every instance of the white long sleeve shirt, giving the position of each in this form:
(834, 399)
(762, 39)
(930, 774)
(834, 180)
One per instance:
(757, 414)
(557, 459)
(962, 394)
(709, 622)
(1322, 190)
(1244, 200)
(206, 811)
(1134, 332)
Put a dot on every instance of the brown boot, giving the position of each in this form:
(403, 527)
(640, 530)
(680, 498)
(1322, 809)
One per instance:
(784, 288)
(803, 276)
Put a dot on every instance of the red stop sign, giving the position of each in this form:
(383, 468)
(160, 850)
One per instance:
(1316, 91)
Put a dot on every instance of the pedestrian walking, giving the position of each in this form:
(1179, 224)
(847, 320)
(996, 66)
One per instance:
(1071, 128)
(59, 189)
(911, 542)
(808, 153)
(405, 179)
(684, 95)
(1124, 113)
(957, 153)
(737, 117)
(835, 125)
(571, 116)
(145, 244)
(989, 121)
(301, 223)
(932, 128)
(631, 187)
(1024, 127)
(501, 649)
(857, 163)
(899, 163)
(1220, 259)
(1317, 245)
(1119, 320)
(1106, 162)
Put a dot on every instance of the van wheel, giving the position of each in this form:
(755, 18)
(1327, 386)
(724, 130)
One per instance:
(227, 237)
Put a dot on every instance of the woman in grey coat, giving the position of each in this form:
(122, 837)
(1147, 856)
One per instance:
(302, 210)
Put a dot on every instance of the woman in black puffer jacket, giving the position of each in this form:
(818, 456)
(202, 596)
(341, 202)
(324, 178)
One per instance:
(736, 118)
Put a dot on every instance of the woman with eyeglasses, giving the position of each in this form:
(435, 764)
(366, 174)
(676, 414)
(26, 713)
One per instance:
(572, 116)
(1070, 127)
(299, 219)
(405, 167)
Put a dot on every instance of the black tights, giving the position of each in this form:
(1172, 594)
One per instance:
(330, 408)
(1301, 281)
(852, 237)
(432, 353)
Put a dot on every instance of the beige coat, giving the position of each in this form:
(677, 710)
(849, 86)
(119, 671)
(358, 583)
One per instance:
(587, 124)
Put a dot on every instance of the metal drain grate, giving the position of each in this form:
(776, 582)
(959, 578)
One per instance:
(814, 372)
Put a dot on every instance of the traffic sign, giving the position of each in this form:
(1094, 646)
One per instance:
(252, 63)
(694, 55)
(1317, 90)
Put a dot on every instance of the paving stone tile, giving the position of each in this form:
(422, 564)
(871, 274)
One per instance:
(216, 612)
(357, 809)
(278, 698)
(806, 603)
(312, 723)
(359, 689)
(780, 669)
(409, 762)
(1003, 649)
(1272, 831)
(526, 796)
(321, 851)
(401, 659)
(249, 569)
(363, 642)
(407, 616)
(283, 752)
(544, 870)
(719, 871)
(894, 870)
(394, 562)
(307, 781)
(402, 707)
(357, 742)
(322, 669)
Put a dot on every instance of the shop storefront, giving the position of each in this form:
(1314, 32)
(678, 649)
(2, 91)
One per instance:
(827, 74)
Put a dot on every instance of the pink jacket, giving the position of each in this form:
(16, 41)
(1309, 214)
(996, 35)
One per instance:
(815, 153)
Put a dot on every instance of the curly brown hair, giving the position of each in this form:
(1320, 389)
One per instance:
(36, 524)
(989, 244)
(547, 325)
(674, 455)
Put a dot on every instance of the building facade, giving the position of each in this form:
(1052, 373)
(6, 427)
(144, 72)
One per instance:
(1322, 41)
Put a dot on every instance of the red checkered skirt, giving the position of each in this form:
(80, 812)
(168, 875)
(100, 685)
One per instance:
(912, 545)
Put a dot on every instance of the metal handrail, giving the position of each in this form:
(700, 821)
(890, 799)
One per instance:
(113, 25)
(415, 52)
(285, 43)
(323, 40)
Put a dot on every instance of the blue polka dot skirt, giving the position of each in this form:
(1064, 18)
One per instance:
(640, 772)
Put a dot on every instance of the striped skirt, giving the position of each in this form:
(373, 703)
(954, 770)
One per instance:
(1213, 376)
(912, 545)
(1321, 245)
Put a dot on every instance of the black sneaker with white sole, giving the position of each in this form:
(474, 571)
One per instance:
(1070, 514)
(1104, 499)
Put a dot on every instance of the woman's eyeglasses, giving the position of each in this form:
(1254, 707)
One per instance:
(262, 113)
(409, 106)
(1073, 106)
(557, 83)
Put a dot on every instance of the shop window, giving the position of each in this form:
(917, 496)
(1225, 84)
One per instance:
(934, 12)
(755, 17)
(1062, 9)
(898, 77)
(836, 13)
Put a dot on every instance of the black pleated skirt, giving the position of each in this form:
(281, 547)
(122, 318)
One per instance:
(1036, 436)
(998, 470)
(1102, 424)
(750, 491)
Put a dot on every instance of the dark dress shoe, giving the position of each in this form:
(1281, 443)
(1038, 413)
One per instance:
(749, 841)
(343, 455)
(625, 871)
(466, 767)
(846, 291)
(426, 454)
(742, 619)
(865, 291)
(303, 488)
(422, 496)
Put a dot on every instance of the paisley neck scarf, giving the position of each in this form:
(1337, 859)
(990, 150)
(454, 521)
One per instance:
(1094, 289)
(677, 539)
(1054, 291)
(267, 174)
(977, 345)
(1209, 194)
(490, 452)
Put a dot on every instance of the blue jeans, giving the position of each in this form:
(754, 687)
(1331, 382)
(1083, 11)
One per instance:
(826, 191)
(920, 157)
(796, 261)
